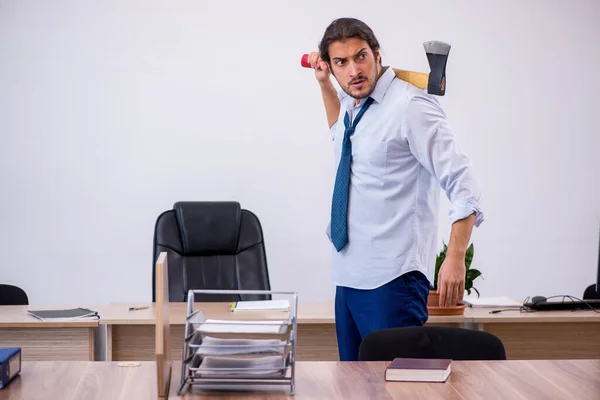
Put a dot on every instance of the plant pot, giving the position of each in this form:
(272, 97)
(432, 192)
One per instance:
(433, 306)
(433, 300)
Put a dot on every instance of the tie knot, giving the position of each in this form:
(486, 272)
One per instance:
(349, 130)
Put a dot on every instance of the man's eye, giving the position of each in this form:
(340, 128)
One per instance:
(362, 56)
(340, 63)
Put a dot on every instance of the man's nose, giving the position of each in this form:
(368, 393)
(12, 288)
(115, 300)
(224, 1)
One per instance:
(353, 68)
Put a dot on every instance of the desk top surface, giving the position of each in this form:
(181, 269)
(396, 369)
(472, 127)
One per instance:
(483, 315)
(578, 379)
(308, 313)
(17, 317)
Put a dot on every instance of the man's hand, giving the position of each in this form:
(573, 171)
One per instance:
(451, 280)
(321, 68)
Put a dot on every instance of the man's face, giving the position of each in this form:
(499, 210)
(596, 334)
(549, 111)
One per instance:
(354, 66)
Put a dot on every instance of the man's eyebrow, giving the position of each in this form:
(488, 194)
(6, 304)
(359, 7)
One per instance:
(360, 51)
(357, 53)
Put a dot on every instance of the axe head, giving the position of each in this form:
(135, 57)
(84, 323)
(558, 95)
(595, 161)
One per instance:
(437, 55)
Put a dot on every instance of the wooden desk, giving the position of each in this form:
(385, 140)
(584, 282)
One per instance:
(579, 379)
(82, 380)
(130, 334)
(543, 335)
(471, 380)
(44, 340)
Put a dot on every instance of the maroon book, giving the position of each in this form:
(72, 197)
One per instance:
(418, 370)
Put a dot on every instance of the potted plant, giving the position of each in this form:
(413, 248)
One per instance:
(471, 274)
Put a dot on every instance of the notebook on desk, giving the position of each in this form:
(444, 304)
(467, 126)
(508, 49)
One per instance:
(64, 315)
(418, 370)
(245, 326)
(260, 305)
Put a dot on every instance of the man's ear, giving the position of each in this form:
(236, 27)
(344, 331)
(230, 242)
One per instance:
(331, 69)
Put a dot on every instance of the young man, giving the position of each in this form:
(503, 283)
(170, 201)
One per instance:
(393, 151)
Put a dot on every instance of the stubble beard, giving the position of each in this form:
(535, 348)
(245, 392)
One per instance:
(370, 81)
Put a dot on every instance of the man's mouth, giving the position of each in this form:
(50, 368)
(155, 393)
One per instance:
(358, 83)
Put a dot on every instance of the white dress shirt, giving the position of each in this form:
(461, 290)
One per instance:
(403, 151)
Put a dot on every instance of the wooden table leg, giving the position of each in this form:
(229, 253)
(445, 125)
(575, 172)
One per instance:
(136, 342)
(548, 341)
(50, 344)
(109, 343)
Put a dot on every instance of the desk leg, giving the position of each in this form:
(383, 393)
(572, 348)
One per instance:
(317, 342)
(92, 339)
(547, 341)
(50, 344)
(137, 342)
(109, 343)
(449, 324)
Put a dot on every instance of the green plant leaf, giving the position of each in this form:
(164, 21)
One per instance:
(469, 256)
(472, 274)
(477, 292)
(438, 263)
(468, 284)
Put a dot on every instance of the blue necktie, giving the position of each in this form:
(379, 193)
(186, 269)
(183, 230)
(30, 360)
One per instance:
(339, 204)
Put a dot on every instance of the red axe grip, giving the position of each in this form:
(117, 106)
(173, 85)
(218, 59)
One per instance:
(304, 61)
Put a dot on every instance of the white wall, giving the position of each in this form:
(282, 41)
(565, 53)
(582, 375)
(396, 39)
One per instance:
(111, 111)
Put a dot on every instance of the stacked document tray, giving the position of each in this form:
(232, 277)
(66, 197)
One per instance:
(223, 353)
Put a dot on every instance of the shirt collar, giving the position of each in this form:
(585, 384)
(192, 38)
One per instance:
(383, 83)
(381, 87)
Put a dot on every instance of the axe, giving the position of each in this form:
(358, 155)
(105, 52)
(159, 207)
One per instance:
(434, 81)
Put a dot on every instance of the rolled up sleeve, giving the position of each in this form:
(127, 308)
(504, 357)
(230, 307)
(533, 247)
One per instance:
(333, 129)
(342, 97)
(433, 144)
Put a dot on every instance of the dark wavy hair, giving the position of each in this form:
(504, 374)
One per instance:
(346, 28)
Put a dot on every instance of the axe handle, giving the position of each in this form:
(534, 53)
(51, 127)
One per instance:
(418, 79)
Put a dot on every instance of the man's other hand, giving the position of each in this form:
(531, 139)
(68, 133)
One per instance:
(451, 280)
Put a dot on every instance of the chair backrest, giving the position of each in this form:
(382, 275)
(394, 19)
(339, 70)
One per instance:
(431, 342)
(13, 296)
(591, 293)
(211, 245)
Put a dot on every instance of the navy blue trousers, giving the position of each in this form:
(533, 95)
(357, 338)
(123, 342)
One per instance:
(399, 303)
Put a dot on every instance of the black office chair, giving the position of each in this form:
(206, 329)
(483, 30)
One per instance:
(211, 245)
(13, 296)
(431, 342)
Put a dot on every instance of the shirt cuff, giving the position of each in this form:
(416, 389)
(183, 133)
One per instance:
(461, 211)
